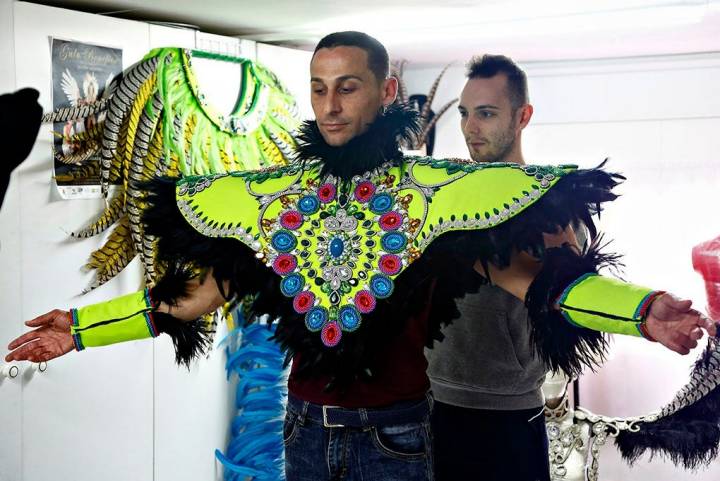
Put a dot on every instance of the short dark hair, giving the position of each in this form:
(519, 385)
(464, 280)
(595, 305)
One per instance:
(489, 66)
(378, 60)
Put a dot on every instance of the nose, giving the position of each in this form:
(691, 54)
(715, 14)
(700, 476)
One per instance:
(471, 125)
(332, 103)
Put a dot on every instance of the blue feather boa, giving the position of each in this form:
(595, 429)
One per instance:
(255, 449)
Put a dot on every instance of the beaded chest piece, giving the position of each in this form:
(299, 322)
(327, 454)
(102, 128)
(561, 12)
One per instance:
(339, 246)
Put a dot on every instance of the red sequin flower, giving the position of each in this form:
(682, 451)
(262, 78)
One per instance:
(284, 264)
(364, 191)
(390, 264)
(365, 301)
(291, 220)
(331, 334)
(390, 221)
(303, 302)
(326, 193)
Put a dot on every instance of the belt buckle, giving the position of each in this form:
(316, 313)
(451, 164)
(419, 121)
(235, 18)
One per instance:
(325, 419)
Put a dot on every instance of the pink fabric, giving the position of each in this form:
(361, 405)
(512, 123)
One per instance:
(706, 261)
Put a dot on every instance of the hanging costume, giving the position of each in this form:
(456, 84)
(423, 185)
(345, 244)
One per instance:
(157, 123)
(346, 243)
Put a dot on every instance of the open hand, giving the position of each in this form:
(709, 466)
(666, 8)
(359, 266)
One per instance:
(673, 323)
(51, 339)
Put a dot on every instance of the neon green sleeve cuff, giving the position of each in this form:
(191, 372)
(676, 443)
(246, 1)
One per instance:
(125, 318)
(605, 304)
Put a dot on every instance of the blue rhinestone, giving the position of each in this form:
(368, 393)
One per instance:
(337, 246)
(393, 242)
(315, 318)
(349, 318)
(381, 203)
(283, 241)
(292, 285)
(381, 286)
(308, 204)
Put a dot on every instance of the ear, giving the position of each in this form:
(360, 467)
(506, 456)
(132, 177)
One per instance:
(526, 112)
(389, 91)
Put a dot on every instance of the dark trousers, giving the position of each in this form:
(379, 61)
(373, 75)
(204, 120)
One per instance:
(489, 445)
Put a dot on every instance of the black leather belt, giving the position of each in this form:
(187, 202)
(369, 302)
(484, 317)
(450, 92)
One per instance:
(338, 417)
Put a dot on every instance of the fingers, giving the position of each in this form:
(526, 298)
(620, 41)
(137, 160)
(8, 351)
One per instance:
(688, 343)
(45, 319)
(696, 334)
(708, 324)
(35, 351)
(712, 327)
(679, 348)
(26, 352)
(680, 305)
(27, 337)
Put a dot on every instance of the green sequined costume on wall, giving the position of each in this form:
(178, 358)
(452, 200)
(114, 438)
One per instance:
(154, 121)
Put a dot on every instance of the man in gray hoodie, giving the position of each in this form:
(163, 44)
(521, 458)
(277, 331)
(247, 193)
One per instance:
(488, 418)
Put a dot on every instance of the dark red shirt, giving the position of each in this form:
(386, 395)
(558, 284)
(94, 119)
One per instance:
(400, 375)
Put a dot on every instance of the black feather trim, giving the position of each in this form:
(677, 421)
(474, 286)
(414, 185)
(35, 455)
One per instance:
(690, 436)
(184, 254)
(173, 285)
(559, 344)
(377, 145)
(190, 339)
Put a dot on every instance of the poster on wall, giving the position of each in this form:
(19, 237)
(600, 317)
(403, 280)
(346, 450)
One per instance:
(81, 74)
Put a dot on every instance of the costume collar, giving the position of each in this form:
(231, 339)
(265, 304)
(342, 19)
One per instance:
(380, 143)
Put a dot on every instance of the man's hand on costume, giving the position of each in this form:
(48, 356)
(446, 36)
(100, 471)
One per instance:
(673, 323)
(51, 339)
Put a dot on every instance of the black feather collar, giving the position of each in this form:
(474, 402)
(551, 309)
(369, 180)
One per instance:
(380, 143)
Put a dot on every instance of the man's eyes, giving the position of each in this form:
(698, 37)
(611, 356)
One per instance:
(342, 90)
(483, 114)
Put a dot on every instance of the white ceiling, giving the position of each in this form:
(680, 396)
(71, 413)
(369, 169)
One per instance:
(424, 32)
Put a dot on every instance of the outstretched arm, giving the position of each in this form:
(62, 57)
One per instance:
(667, 319)
(58, 332)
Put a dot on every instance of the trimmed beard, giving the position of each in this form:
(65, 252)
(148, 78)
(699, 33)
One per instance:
(502, 146)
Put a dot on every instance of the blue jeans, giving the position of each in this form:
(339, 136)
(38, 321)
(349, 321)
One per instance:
(369, 448)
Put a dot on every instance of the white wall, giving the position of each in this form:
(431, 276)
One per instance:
(119, 413)
(10, 389)
(658, 120)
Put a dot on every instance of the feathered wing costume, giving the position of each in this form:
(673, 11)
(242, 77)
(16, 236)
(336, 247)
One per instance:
(157, 123)
(345, 244)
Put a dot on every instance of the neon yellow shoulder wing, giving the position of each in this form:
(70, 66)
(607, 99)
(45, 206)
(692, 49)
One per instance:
(338, 246)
